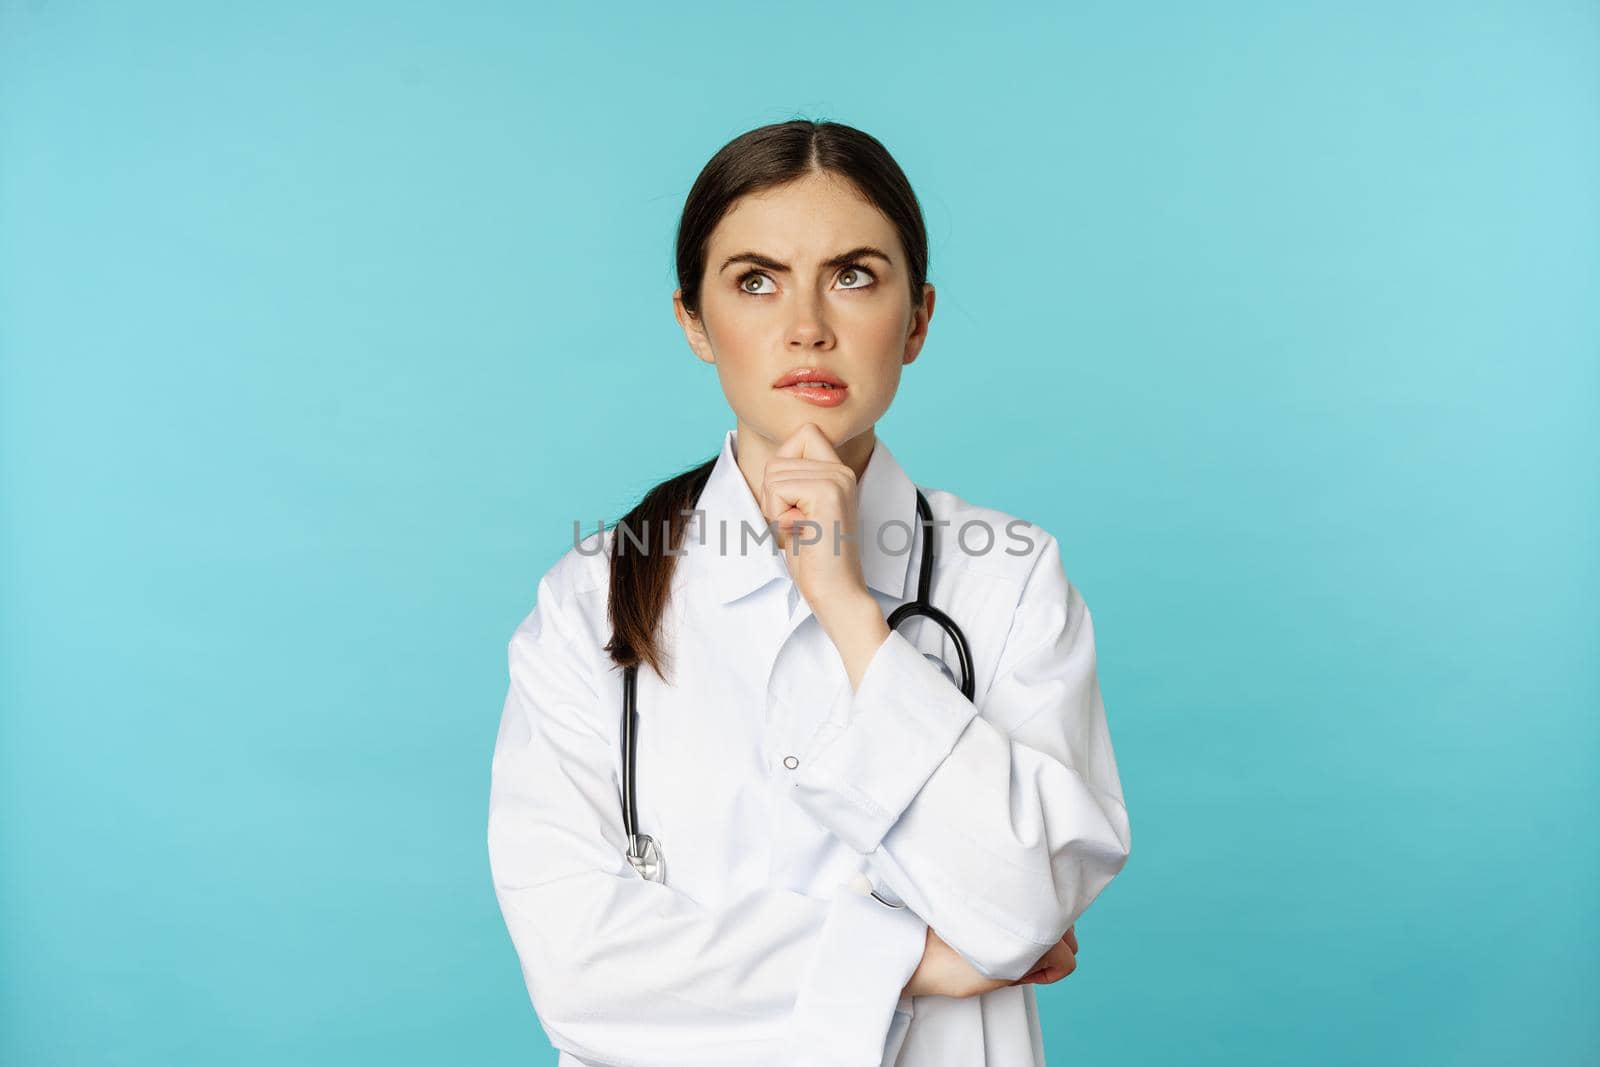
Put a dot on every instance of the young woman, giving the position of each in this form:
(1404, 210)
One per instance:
(857, 844)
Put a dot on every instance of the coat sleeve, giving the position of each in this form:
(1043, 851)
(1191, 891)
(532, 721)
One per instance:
(998, 823)
(622, 970)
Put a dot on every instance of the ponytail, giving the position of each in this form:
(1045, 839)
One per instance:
(642, 564)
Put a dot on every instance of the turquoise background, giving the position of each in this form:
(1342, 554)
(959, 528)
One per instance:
(320, 324)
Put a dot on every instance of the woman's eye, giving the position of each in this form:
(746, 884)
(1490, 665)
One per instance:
(853, 277)
(855, 273)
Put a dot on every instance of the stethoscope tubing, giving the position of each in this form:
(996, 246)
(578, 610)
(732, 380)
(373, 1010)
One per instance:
(643, 851)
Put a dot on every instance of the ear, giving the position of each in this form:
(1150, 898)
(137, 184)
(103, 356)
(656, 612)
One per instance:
(921, 315)
(694, 329)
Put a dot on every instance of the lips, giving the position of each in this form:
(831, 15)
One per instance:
(821, 396)
(809, 376)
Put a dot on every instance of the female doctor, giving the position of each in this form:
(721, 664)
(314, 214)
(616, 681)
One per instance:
(858, 864)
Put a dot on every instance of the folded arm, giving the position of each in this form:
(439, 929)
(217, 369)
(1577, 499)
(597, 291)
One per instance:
(998, 823)
(624, 970)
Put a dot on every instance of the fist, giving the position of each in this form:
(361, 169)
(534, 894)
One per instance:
(811, 496)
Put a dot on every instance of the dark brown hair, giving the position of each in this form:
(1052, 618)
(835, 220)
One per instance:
(769, 156)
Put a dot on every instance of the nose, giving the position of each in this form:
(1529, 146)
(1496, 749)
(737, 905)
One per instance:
(809, 328)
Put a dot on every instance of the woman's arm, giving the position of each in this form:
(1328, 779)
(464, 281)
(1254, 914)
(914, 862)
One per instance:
(624, 970)
(998, 837)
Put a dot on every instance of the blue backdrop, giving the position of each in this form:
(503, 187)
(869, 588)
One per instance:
(320, 324)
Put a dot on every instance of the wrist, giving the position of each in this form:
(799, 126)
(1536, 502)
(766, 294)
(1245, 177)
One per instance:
(857, 628)
(852, 616)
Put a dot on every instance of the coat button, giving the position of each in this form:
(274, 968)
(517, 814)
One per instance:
(790, 762)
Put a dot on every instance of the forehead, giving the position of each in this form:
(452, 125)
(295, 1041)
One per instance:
(811, 218)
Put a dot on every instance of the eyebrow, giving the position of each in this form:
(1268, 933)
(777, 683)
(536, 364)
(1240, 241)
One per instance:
(859, 252)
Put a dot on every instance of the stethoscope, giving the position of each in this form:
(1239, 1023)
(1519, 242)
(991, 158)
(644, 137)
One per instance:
(644, 851)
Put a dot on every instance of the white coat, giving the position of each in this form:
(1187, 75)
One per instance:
(779, 797)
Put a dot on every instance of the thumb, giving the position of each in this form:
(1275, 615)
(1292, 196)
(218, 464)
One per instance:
(808, 442)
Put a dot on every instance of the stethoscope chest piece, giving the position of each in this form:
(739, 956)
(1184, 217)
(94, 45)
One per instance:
(645, 855)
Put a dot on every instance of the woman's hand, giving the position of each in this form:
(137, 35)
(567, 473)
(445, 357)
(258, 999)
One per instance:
(1060, 961)
(943, 971)
(805, 480)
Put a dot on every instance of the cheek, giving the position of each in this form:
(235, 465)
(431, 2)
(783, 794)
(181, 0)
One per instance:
(738, 321)
(743, 334)
(732, 334)
(881, 320)
(885, 338)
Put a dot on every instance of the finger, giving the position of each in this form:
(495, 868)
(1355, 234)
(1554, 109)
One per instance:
(808, 442)
(782, 504)
(814, 485)
(1048, 976)
(784, 465)
(1072, 939)
(817, 481)
(1061, 958)
(1042, 976)
(802, 488)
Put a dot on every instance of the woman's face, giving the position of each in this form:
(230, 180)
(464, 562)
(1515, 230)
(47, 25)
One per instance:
(773, 301)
